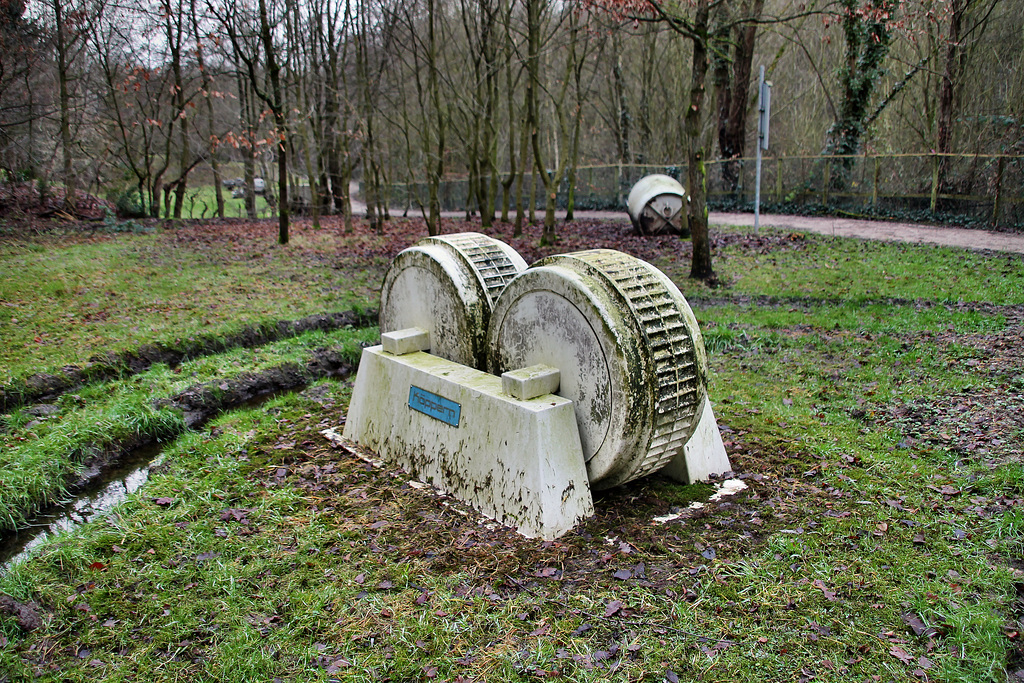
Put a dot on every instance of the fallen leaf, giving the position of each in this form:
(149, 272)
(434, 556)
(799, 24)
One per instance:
(915, 624)
(900, 654)
(612, 608)
(581, 629)
(234, 515)
(829, 595)
(541, 630)
(623, 574)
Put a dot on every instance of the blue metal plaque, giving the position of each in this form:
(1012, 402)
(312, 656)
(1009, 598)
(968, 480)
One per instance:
(435, 406)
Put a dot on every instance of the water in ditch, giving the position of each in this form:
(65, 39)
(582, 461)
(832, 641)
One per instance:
(96, 498)
(108, 489)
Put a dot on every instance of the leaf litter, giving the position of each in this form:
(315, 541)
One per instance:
(383, 525)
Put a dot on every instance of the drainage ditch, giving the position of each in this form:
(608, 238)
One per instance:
(119, 477)
(45, 387)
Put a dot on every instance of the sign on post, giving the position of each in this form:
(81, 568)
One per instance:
(764, 109)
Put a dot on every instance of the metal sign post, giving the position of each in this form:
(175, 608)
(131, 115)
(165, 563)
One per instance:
(764, 108)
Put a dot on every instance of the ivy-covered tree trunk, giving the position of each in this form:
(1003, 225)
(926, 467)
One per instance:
(867, 33)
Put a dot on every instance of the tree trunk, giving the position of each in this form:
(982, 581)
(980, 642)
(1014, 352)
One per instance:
(248, 150)
(732, 83)
(524, 155)
(507, 182)
(696, 175)
(174, 36)
(622, 116)
(650, 60)
(947, 92)
(207, 89)
(63, 47)
(277, 107)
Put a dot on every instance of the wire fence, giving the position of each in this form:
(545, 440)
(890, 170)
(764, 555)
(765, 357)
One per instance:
(979, 189)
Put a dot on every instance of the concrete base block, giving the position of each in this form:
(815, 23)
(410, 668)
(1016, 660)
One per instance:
(531, 382)
(519, 462)
(405, 341)
(703, 455)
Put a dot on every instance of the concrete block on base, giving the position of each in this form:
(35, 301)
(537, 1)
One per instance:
(517, 461)
(401, 342)
(704, 453)
(531, 382)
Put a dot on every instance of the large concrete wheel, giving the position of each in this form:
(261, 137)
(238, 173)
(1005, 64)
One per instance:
(627, 346)
(447, 285)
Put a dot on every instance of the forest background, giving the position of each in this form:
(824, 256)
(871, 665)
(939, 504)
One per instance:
(167, 107)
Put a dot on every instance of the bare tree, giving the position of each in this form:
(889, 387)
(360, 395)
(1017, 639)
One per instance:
(260, 58)
(71, 24)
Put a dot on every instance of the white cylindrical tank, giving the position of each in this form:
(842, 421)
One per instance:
(656, 204)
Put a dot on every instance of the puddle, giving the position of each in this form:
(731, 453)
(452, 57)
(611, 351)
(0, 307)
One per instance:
(100, 495)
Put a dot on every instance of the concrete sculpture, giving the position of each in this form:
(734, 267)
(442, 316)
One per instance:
(598, 376)
(657, 205)
(447, 285)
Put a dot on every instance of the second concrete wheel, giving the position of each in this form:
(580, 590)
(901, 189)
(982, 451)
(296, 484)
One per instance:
(628, 348)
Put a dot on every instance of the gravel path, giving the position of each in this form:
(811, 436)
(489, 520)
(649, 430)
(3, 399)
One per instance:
(981, 240)
(883, 230)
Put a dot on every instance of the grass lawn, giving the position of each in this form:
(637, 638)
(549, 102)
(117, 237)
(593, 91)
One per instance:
(870, 395)
(201, 203)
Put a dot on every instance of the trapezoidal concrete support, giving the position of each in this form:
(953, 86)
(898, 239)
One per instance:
(517, 461)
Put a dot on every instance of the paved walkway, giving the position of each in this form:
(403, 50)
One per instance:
(840, 227)
(882, 230)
